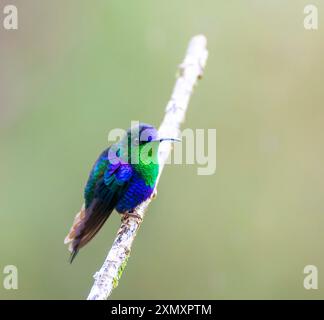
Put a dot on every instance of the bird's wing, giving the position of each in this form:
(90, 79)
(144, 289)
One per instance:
(103, 190)
(97, 172)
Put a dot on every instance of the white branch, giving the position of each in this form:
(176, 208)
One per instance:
(106, 279)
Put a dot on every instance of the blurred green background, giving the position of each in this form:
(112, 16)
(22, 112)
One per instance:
(76, 69)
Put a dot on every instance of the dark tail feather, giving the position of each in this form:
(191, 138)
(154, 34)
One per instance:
(89, 220)
(95, 216)
(73, 255)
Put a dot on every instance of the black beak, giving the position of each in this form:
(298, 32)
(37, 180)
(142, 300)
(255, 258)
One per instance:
(170, 139)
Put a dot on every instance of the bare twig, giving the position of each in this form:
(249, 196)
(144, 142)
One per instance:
(106, 279)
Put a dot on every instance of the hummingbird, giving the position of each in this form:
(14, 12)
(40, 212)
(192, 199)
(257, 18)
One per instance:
(122, 178)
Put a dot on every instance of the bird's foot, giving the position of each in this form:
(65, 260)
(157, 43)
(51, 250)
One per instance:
(132, 214)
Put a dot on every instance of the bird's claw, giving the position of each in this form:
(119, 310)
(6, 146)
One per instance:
(135, 215)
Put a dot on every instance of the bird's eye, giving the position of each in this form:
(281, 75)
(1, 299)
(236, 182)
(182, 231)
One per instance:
(149, 139)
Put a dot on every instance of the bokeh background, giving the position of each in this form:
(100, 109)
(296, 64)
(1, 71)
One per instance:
(76, 69)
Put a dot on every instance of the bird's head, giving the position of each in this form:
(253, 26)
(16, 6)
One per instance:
(142, 142)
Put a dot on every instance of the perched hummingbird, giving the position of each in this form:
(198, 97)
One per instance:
(122, 178)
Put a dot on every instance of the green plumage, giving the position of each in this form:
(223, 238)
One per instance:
(122, 178)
